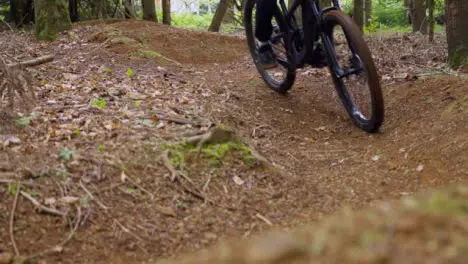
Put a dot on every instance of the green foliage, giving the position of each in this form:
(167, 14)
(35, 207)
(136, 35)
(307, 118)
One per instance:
(189, 21)
(25, 121)
(66, 153)
(101, 103)
(459, 58)
(129, 73)
(101, 148)
(214, 153)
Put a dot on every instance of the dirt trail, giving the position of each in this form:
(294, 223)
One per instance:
(325, 162)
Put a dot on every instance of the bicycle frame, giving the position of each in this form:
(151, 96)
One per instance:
(310, 33)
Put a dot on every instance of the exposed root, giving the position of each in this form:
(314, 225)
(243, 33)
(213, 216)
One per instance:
(16, 82)
(41, 208)
(12, 221)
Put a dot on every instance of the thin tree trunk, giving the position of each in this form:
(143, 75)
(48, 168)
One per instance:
(22, 12)
(129, 9)
(358, 13)
(73, 9)
(456, 14)
(218, 16)
(229, 17)
(419, 16)
(166, 6)
(368, 7)
(149, 10)
(430, 6)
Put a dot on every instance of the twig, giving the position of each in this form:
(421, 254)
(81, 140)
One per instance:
(8, 25)
(59, 247)
(92, 197)
(7, 181)
(205, 186)
(126, 230)
(33, 62)
(12, 220)
(178, 120)
(264, 219)
(141, 188)
(41, 207)
(167, 163)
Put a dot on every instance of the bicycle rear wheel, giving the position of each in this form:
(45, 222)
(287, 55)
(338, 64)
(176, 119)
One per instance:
(353, 71)
(280, 78)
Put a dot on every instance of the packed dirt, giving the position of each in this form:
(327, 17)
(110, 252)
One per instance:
(104, 150)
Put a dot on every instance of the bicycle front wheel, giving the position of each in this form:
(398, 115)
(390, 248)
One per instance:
(353, 71)
(281, 77)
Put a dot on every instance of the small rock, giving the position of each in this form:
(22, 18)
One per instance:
(116, 91)
(50, 201)
(420, 167)
(136, 96)
(11, 141)
(376, 158)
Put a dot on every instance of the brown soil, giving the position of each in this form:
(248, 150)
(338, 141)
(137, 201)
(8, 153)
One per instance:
(174, 43)
(321, 162)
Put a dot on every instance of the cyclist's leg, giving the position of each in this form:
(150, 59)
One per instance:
(263, 17)
(263, 31)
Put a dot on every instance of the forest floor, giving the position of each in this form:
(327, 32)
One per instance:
(104, 151)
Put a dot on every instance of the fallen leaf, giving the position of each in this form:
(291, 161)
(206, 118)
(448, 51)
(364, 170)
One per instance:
(166, 211)
(238, 180)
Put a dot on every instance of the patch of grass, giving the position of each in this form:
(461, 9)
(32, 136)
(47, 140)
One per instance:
(100, 103)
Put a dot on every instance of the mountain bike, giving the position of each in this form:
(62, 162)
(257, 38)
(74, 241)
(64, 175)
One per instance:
(348, 58)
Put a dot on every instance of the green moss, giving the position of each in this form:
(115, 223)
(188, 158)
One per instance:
(213, 153)
(459, 58)
(52, 17)
(441, 203)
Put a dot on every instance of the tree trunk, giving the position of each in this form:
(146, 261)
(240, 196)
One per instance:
(149, 10)
(358, 13)
(22, 11)
(52, 17)
(430, 7)
(166, 6)
(73, 9)
(218, 16)
(419, 16)
(129, 9)
(230, 16)
(456, 14)
(368, 10)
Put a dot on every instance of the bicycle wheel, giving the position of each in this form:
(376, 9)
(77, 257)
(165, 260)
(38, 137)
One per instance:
(282, 77)
(353, 71)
